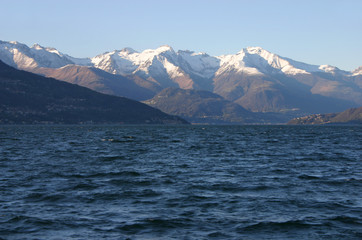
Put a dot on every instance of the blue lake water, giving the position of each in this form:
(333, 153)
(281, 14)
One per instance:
(180, 182)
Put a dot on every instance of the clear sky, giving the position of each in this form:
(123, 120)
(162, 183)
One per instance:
(316, 32)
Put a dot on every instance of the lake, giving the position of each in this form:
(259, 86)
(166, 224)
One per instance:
(180, 182)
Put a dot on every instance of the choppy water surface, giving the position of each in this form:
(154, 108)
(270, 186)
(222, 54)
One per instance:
(180, 182)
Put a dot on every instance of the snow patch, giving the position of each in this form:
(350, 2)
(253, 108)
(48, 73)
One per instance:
(328, 68)
(199, 63)
(172, 70)
(357, 71)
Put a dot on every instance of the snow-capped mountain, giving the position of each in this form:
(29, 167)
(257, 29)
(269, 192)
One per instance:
(128, 61)
(254, 77)
(357, 71)
(256, 60)
(162, 65)
(163, 61)
(200, 64)
(23, 57)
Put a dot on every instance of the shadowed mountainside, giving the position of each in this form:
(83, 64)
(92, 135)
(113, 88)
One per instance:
(206, 107)
(101, 81)
(29, 98)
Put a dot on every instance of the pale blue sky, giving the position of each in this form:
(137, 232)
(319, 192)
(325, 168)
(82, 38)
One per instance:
(316, 32)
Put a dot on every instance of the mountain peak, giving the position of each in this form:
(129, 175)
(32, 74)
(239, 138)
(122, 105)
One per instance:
(328, 68)
(357, 71)
(14, 44)
(164, 48)
(128, 50)
(255, 50)
(37, 46)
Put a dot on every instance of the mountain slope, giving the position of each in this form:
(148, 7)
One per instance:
(200, 107)
(254, 78)
(101, 81)
(160, 65)
(21, 56)
(262, 93)
(262, 81)
(350, 116)
(29, 98)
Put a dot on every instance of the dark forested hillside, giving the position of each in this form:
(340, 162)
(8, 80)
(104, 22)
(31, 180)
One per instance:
(29, 98)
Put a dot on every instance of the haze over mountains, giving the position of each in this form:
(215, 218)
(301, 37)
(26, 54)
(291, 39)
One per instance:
(255, 79)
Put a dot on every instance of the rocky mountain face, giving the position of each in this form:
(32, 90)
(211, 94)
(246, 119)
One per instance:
(255, 79)
(27, 98)
(200, 106)
(350, 116)
(263, 81)
(101, 81)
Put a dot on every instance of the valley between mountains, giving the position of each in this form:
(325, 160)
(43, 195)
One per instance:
(251, 86)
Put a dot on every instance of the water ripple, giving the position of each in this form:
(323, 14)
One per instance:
(180, 182)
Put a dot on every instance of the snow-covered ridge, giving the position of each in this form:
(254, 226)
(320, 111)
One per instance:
(20, 55)
(163, 60)
(357, 71)
(199, 63)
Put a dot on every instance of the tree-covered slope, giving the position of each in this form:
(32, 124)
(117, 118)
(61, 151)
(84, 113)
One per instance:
(29, 98)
